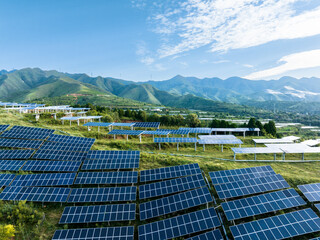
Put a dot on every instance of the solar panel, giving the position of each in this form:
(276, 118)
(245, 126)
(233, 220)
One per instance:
(100, 154)
(264, 141)
(44, 179)
(155, 132)
(125, 132)
(171, 186)
(256, 150)
(101, 213)
(110, 164)
(107, 233)
(317, 206)
(123, 124)
(212, 235)
(51, 166)
(219, 141)
(70, 139)
(59, 146)
(97, 124)
(111, 194)
(15, 154)
(279, 227)
(234, 175)
(3, 127)
(6, 179)
(261, 204)
(25, 135)
(197, 130)
(19, 143)
(250, 186)
(147, 124)
(31, 129)
(311, 191)
(229, 136)
(175, 140)
(169, 172)
(174, 203)
(175, 131)
(11, 165)
(107, 177)
(59, 155)
(181, 225)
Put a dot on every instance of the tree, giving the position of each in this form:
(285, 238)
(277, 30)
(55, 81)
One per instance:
(270, 128)
(192, 120)
(128, 113)
(252, 123)
(6, 232)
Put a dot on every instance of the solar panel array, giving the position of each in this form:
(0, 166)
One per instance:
(107, 177)
(3, 127)
(261, 204)
(6, 179)
(27, 133)
(175, 140)
(181, 225)
(175, 203)
(61, 146)
(19, 143)
(125, 132)
(212, 235)
(51, 166)
(97, 124)
(111, 194)
(250, 186)
(197, 130)
(311, 191)
(110, 164)
(169, 172)
(217, 136)
(11, 165)
(44, 179)
(175, 131)
(155, 132)
(101, 213)
(107, 233)
(100, 154)
(219, 141)
(60, 155)
(15, 154)
(171, 186)
(279, 227)
(252, 150)
(123, 124)
(147, 124)
(70, 139)
(234, 175)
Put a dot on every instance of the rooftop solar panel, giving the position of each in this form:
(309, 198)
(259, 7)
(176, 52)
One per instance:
(219, 141)
(97, 124)
(3, 127)
(110, 164)
(179, 226)
(171, 186)
(234, 175)
(169, 172)
(155, 132)
(125, 132)
(44, 179)
(51, 166)
(311, 191)
(15, 154)
(59, 155)
(147, 124)
(101, 213)
(261, 204)
(175, 140)
(107, 233)
(6, 179)
(100, 154)
(250, 186)
(111, 194)
(19, 143)
(212, 235)
(74, 147)
(107, 177)
(174, 203)
(70, 139)
(197, 130)
(11, 165)
(278, 227)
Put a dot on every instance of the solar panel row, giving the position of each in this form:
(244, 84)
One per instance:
(15, 154)
(219, 141)
(311, 191)
(110, 164)
(25, 135)
(100, 154)
(212, 235)
(175, 131)
(19, 143)
(147, 124)
(45, 179)
(176, 140)
(51, 166)
(60, 155)
(107, 177)
(70, 139)
(11, 165)
(197, 130)
(61, 146)
(125, 132)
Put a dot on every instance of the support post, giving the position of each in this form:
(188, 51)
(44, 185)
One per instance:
(177, 146)
(221, 147)
(140, 138)
(255, 156)
(159, 146)
(195, 146)
(275, 156)
(204, 148)
(127, 137)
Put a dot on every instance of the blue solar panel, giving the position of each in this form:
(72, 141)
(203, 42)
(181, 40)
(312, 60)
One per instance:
(156, 132)
(174, 203)
(31, 129)
(101, 213)
(51, 166)
(107, 177)
(99, 154)
(175, 131)
(45, 179)
(97, 124)
(147, 124)
(25, 135)
(311, 191)
(117, 124)
(3, 127)
(10, 193)
(171, 186)
(11, 165)
(317, 206)
(219, 141)
(197, 130)
(60, 155)
(235, 175)
(251, 186)
(19, 143)
(110, 164)
(169, 172)
(6, 179)
(261, 204)
(60, 146)
(15, 154)
(125, 132)
(107, 233)
(70, 139)
(212, 235)
(278, 227)
(175, 140)
(112, 194)
(181, 225)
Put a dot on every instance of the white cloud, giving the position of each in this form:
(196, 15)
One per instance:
(147, 60)
(301, 60)
(248, 65)
(233, 24)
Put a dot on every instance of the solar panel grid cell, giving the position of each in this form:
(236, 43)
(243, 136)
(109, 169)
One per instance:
(169, 172)
(58, 146)
(107, 177)
(311, 191)
(11, 165)
(171, 186)
(212, 235)
(15, 154)
(60, 155)
(175, 140)
(174, 203)
(261, 204)
(278, 227)
(6, 179)
(44, 179)
(51, 166)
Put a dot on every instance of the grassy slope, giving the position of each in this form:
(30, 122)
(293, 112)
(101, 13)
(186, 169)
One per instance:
(294, 173)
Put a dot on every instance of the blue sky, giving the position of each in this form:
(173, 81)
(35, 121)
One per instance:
(141, 40)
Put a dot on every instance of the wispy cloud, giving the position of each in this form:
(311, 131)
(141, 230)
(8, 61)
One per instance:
(290, 62)
(233, 24)
(144, 53)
